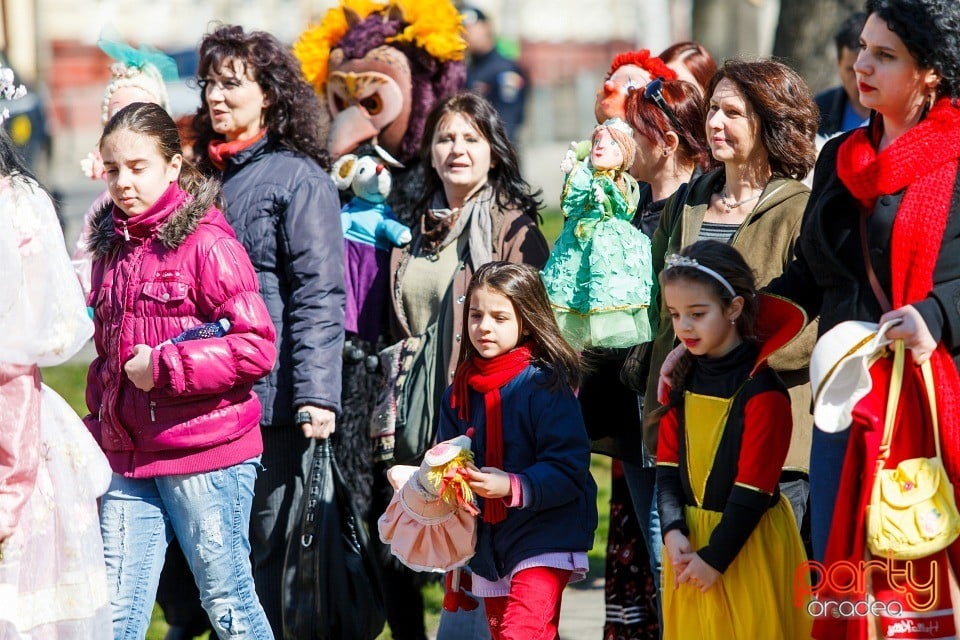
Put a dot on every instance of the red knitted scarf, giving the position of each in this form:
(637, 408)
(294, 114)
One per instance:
(487, 376)
(923, 160)
(220, 150)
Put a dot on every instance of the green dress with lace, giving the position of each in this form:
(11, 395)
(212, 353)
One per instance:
(599, 276)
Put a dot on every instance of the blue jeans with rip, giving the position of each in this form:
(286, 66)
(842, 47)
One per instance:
(209, 513)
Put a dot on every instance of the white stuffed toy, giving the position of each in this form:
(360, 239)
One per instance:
(367, 218)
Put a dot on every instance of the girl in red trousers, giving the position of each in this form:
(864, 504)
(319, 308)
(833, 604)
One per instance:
(514, 385)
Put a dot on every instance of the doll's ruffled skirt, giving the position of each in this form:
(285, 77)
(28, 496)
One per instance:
(426, 534)
(755, 597)
(612, 328)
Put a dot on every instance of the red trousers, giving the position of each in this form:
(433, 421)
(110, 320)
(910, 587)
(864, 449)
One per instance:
(532, 610)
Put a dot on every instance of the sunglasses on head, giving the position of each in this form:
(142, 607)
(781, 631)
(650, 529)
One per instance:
(654, 92)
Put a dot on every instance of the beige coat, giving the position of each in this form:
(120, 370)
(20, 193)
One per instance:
(766, 240)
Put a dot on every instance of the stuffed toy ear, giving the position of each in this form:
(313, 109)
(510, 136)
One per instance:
(343, 171)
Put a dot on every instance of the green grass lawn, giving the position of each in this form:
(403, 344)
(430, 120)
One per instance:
(69, 381)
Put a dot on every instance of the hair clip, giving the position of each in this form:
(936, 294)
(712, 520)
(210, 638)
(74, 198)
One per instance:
(676, 260)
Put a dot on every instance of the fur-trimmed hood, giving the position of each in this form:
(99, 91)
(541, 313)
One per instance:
(171, 233)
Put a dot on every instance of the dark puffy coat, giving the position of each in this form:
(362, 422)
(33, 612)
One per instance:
(286, 211)
(546, 443)
(156, 274)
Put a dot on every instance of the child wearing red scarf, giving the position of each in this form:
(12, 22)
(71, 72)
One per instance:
(514, 385)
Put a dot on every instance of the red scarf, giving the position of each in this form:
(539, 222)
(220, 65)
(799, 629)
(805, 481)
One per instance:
(220, 151)
(487, 376)
(923, 160)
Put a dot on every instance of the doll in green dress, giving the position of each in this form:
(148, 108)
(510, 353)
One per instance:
(599, 276)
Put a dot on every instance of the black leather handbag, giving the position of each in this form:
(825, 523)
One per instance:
(332, 588)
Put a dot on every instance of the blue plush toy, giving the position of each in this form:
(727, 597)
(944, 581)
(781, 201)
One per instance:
(370, 230)
(367, 218)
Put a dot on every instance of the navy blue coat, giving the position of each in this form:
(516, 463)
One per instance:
(546, 443)
(285, 210)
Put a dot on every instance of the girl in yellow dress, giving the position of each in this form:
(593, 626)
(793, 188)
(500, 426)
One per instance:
(730, 538)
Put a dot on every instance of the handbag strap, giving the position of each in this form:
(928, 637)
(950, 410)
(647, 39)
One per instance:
(893, 400)
(878, 291)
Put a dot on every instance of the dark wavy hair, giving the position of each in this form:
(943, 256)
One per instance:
(730, 264)
(521, 285)
(694, 57)
(292, 112)
(687, 104)
(504, 176)
(930, 30)
(153, 121)
(784, 105)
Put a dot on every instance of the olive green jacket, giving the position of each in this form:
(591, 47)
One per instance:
(766, 240)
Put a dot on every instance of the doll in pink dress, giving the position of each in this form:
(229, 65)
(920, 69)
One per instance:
(53, 582)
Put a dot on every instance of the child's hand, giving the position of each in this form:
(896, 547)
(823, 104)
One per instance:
(678, 547)
(139, 368)
(489, 482)
(698, 573)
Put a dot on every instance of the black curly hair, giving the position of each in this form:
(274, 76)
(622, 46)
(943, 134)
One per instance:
(504, 176)
(292, 112)
(930, 30)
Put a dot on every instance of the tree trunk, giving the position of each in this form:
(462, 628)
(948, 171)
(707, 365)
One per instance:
(804, 38)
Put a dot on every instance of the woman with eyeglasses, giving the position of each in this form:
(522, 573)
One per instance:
(256, 128)
(760, 125)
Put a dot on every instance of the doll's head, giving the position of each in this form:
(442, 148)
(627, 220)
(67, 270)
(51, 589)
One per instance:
(613, 146)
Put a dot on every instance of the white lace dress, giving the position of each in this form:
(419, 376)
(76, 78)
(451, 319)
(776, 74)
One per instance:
(53, 581)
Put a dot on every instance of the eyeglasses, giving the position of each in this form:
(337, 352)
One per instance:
(225, 85)
(654, 92)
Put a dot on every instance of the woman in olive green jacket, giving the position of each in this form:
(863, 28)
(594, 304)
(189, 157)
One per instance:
(760, 124)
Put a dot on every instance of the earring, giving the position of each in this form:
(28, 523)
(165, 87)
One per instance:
(733, 322)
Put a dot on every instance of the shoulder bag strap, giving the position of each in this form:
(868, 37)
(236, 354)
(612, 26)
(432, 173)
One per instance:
(871, 276)
(893, 400)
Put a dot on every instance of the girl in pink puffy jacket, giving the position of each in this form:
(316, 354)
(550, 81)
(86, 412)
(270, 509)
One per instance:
(178, 420)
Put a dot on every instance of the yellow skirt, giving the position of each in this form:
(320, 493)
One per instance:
(754, 598)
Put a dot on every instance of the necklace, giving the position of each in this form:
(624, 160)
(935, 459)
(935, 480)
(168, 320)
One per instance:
(730, 206)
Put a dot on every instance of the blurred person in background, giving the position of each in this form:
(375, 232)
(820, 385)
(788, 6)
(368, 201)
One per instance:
(691, 62)
(491, 74)
(136, 75)
(840, 107)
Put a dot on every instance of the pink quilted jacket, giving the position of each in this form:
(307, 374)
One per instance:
(154, 275)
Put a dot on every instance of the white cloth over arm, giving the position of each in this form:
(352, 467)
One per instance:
(43, 316)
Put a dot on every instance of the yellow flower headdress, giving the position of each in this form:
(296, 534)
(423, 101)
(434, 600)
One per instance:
(432, 25)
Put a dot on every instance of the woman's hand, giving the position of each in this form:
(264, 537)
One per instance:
(489, 482)
(322, 424)
(139, 368)
(666, 369)
(912, 330)
(698, 573)
(678, 548)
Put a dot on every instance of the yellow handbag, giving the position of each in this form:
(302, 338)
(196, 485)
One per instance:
(912, 512)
